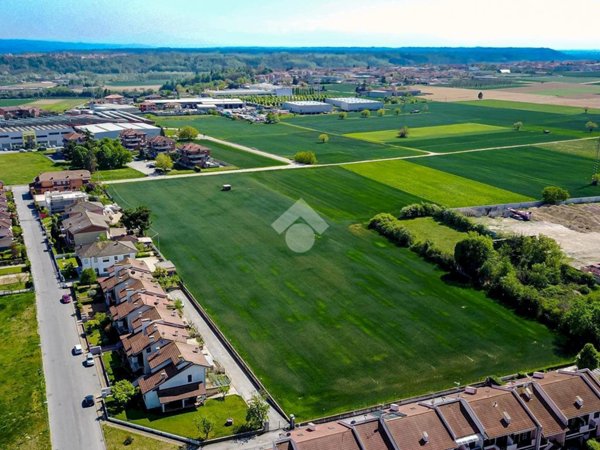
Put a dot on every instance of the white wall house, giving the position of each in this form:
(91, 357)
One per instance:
(193, 374)
(101, 255)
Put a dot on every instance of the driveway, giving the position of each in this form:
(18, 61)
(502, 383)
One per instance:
(143, 166)
(72, 427)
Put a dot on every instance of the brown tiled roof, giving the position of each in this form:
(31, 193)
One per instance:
(181, 392)
(550, 422)
(458, 419)
(105, 248)
(135, 302)
(327, 436)
(161, 140)
(592, 378)
(177, 352)
(408, 432)
(123, 271)
(85, 220)
(158, 312)
(65, 175)
(150, 382)
(489, 404)
(372, 435)
(286, 445)
(131, 132)
(563, 389)
(81, 206)
(137, 342)
(73, 136)
(191, 147)
(142, 282)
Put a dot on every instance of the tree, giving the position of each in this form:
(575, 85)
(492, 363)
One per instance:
(257, 411)
(205, 426)
(342, 115)
(554, 194)
(591, 126)
(164, 162)
(305, 158)
(123, 391)
(588, 357)
(272, 117)
(381, 112)
(110, 154)
(480, 96)
(324, 138)
(397, 111)
(517, 126)
(472, 253)
(83, 157)
(137, 220)
(365, 113)
(596, 179)
(403, 132)
(188, 133)
(88, 276)
(223, 390)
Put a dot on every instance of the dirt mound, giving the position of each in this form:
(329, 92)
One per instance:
(580, 218)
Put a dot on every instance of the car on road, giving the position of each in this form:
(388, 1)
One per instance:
(89, 360)
(66, 298)
(88, 401)
(77, 350)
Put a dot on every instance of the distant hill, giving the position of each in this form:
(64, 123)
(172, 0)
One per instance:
(34, 46)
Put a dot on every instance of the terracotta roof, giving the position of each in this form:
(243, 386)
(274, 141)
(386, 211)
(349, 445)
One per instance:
(150, 382)
(592, 378)
(409, 432)
(140, 282)
(137, 342)
(159, 312)
(564, 388)
(65, 175)
(177, 352)
(542, 411)
(327, 436)
(181, 392)
(74, 136)
(132, 132)
(191, 147)
(493, 405)
(105, 248)
(161, 140)
(135, 302)
(458, 419)
(124, 270)
(82, 221)
(372, 435)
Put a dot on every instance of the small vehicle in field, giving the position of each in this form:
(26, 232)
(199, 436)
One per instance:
(66, 298)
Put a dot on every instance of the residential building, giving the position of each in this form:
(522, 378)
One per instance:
(148, 106)
(160, 144)
(85, 227)
(77, 138)
(354, 103)
(83, 206)
(112, 130)
(133, 139)
(18, 112)
(64, 180)
(58, 202)
(126, 278)
(307, 107)
(101, 255)
(192, 155)
(114, 99)
(130, 315)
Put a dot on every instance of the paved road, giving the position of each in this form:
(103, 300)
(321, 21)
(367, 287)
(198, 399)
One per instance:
(72, 427)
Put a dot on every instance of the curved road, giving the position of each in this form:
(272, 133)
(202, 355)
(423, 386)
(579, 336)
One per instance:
(72, 427)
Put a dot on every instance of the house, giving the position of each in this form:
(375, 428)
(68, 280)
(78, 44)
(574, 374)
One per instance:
(193, 155)
(128, 316)
(126, 278)
(335, 435)
(83, 206)
(101, 255)
(77, 138)
(85, 228)
(160, 144)
(18, 112)
(64, 180)
(133, 139)
(115, 99)
(59, 201)
(147, 106)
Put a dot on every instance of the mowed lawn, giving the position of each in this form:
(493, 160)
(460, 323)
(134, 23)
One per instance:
(353, 322)
(22, 168)
(434, 185)
(525, 171)
(24, 418)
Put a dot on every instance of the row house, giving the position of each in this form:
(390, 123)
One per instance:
(127, 278)
(6, 234)
(130, 315)
(548, 410)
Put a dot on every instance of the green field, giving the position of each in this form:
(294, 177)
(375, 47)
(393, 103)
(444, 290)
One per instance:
(438, 131)
(22, 168)
(523, 106)
(117, 174)
(15, 101)
(434, 185)
(353, 322)
(427, 229)
(58, 105)
(24, 419)
(585, 148)
(115, 439)
(237, 158)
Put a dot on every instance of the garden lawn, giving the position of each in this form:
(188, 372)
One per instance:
(115, 438)
(22, 168)
(124, 173)
(427, 132)
(183, 423)
(434, 185)
(24, 419)
(525, 171)
(427, 229)
(353, 322)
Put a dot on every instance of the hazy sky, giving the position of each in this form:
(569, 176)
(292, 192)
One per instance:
(558, 24)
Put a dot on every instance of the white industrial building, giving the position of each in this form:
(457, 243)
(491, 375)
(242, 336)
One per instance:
(354, 103)
(17, 137)
(307, 107)
(113, 130)
(192, 103)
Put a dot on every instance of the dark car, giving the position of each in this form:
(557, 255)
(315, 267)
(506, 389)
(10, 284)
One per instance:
(66, 298)
(88, 401)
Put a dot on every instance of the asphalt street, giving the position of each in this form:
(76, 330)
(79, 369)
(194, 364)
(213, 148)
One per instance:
(72, 427)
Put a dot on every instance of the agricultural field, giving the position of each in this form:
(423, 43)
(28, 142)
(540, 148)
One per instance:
(523, 106)
(353, 315)
(237, 158)
(24, 420)
(439, 131)
(57, 105)
(15, 101)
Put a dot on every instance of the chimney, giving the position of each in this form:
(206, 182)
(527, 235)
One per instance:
(425, 437)
(394, 407)
(145, 323)
(470, 390)
(528, 394)
(578, 401)
(311, 427)
(151, 337)
(157, 348)
(538, 375)
(163, 375)
(506, 417)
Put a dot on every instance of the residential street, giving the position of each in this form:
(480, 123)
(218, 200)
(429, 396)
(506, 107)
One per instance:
(67, 380)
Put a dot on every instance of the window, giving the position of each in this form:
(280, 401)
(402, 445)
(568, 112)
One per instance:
(148, 350)
(189, 378)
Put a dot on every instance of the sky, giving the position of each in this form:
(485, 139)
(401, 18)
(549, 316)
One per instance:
(557, 24)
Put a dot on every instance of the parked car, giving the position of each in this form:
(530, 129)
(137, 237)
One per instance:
(77, 350)
(66, 298)
(88, 401)
(89, 360)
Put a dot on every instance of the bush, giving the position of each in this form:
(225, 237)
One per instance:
(390, 227)
(419, 210)
(188, 133)
(88, 276)
(324, 138)
(365, 113)
(342, 115)
(403, 132)
(305, 158)
(592, 444)
(588, 357)
(554, 194)
(459, 222)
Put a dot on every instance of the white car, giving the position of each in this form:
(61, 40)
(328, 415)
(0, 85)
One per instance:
(89, 360)
(77, 350)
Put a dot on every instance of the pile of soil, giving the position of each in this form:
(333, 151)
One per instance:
(581, 218)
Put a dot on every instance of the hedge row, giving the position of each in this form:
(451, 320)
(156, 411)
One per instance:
(448, 217)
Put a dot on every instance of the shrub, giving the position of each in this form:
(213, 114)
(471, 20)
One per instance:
(591, 126)
(472, 253)
(592, 444)
(381, 112)
(188, 133)
(305, 158)
(517, 126)
(390, 227)
(324, 138)
(365, 113)
(403, 132)
(419, 210)
(588, 357)
(88, 276)
(554, 194)
(342, 115)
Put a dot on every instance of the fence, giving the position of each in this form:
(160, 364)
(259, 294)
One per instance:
(485, 210)
(18, 291)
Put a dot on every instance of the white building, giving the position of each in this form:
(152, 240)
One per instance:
(58, 201)
(113, 130)
(30, 136)
(101, 255)
(307, 107)
(354, 103)
(191, 103)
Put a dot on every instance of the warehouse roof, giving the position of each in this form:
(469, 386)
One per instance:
(353, 100)
(111, 126)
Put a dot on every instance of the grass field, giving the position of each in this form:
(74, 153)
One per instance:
(115, 438)
(117, 174)
(15, 101)
(583, 148)
(237, 158)
(523, 106)
(353, 322)
(434, 185)
(438, 131)
(24, 419)
(58, 105)
(427, 229)
(22, 168)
